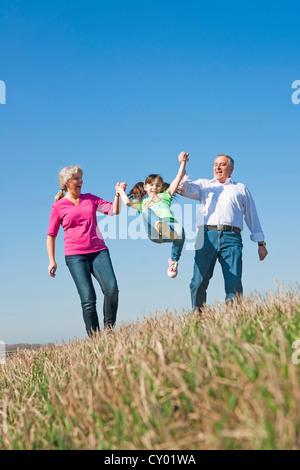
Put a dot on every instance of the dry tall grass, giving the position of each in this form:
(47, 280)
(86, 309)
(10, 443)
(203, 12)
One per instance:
(224, 381)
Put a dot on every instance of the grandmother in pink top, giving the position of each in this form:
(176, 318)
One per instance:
(85, 251)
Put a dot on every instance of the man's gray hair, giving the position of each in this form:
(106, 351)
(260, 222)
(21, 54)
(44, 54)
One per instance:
(231, 161)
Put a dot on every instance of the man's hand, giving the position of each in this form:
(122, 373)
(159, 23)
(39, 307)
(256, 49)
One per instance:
(262, 252)
(183, 157)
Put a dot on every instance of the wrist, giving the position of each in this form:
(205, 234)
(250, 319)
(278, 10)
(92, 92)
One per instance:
(261, 243)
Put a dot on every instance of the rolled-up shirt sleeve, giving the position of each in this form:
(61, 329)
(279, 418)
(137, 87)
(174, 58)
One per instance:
(251, 218)
(104, 207)
(54, 222)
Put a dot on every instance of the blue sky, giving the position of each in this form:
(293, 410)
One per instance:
(121, 87)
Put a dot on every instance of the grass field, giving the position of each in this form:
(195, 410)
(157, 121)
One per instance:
(227, 380)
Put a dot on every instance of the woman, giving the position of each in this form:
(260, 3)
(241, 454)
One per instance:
(85, 251)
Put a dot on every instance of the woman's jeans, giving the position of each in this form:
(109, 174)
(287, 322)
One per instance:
(210, 246)
(98, 264)
(150, 218)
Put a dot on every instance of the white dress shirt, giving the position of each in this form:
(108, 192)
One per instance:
(223, 204)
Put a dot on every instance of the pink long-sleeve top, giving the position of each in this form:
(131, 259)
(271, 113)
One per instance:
(82, 234)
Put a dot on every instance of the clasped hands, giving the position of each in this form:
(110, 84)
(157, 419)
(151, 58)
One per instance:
(183, 157)
(120, 186)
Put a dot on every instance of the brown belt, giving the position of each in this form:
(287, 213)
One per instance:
(223, 228)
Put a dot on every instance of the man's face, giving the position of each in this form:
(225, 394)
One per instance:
(222, 169)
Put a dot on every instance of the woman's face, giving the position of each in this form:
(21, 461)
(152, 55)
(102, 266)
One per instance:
(75, 183)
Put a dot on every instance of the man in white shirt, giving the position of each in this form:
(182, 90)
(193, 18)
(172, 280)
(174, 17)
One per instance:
(223, 205)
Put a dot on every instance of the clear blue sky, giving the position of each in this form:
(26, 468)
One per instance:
(121, 87)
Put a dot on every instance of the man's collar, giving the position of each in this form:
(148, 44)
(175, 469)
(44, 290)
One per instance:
(228, 181)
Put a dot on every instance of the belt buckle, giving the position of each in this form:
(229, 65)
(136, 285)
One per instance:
(219, 227)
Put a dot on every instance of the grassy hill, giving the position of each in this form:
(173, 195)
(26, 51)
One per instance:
(227, 380)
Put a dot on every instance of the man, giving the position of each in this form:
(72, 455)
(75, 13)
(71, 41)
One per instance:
(223, 205)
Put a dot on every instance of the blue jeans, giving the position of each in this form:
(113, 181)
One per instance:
(150, 218)
(210, 246)
(98, 264)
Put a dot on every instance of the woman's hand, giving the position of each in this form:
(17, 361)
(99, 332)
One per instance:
(121, 186)
(120, 190)
(52, 269)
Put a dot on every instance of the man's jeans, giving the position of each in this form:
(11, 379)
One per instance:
(98, 264)
(210, 246)
(150, 219)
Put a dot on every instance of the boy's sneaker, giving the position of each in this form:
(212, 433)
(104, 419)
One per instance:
(172, 271)
(164, 230)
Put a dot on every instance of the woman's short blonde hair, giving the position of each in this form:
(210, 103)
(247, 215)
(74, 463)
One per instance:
(64, 176)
